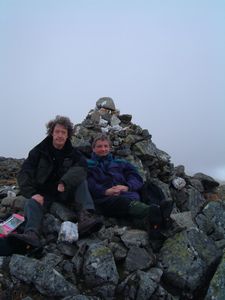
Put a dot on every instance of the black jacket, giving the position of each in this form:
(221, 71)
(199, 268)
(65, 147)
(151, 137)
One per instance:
(39, 171)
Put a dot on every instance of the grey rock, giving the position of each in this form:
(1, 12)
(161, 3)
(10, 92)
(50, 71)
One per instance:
(62, 212)
(99, 267)
(105, 291)
(135, 237)
(195, 201)
(217, 284)
(9, 168)
(114, 120)
(51, 225)
(45, 278)
(105, 102)
(138, 259)
(140, 285)
(95, 117)
(189, 199)
(81, 297)
(208, 182)
(212, 220)
(106, 233)
(67, 249)
(51, 259)
(125, 118)
(118, 250)
(187, 258)
(184, 219)
(19, 202)
(180, 171)
(8, 202)
(197, 184)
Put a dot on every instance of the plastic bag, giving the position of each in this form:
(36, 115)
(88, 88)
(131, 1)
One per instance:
(68, 232)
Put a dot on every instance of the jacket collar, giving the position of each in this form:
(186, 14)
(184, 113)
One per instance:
(46, 144)
(95, 157)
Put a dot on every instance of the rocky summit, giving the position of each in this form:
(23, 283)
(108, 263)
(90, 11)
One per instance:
(121, 260)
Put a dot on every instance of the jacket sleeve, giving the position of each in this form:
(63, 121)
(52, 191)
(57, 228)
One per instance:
(133, 179)
(25, 177)
(97, 189)
(76, 173)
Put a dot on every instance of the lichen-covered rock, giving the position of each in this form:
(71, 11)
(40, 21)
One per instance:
(100, 269)
(135, 237)
(188, 258)
(140, 285)
(138, 259)
(45, 278)
(217, 285)
(212, 219)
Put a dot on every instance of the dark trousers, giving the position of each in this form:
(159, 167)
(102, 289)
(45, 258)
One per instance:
(34, 211)
(117, 206)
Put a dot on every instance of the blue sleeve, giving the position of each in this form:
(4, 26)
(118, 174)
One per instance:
(133, 179)
(97, 190)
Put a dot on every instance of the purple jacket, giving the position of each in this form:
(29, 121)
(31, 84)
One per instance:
(106, 172)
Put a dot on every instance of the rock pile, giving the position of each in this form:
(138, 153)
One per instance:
(121, 261)
(9, 168)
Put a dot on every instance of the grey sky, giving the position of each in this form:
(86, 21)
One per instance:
(161, 61)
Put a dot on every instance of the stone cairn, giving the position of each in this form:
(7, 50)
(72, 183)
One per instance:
(121, 261)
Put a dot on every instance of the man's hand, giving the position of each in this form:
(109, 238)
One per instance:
(61, 187)
(121, 188)
(112, 192)
(39, 198)
(116, 190)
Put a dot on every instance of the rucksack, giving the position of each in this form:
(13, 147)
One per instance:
(151, 193)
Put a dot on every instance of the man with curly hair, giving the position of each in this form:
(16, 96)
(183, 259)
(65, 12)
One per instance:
(55, 171)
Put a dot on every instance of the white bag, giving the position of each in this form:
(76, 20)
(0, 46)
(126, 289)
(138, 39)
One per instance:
(68, 232)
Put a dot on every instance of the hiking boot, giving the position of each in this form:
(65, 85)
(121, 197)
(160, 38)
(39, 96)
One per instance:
(29, 238)
(88, 223)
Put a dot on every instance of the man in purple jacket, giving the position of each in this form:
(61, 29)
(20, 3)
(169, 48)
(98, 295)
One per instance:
(115, 185)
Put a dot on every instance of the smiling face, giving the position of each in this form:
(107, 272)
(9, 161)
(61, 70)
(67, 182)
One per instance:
(59, 136)
(101, 148)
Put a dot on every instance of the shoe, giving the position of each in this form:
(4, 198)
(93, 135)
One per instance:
(29, 238)
(88, 223)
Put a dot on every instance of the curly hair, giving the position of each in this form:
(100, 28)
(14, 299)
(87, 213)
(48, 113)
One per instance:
(101, 137)
(61, 120)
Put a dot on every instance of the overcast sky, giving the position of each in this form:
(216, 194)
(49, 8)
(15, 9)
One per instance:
(161, 61)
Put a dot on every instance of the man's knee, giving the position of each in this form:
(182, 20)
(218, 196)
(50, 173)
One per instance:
(40, 201)
(34, 203)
